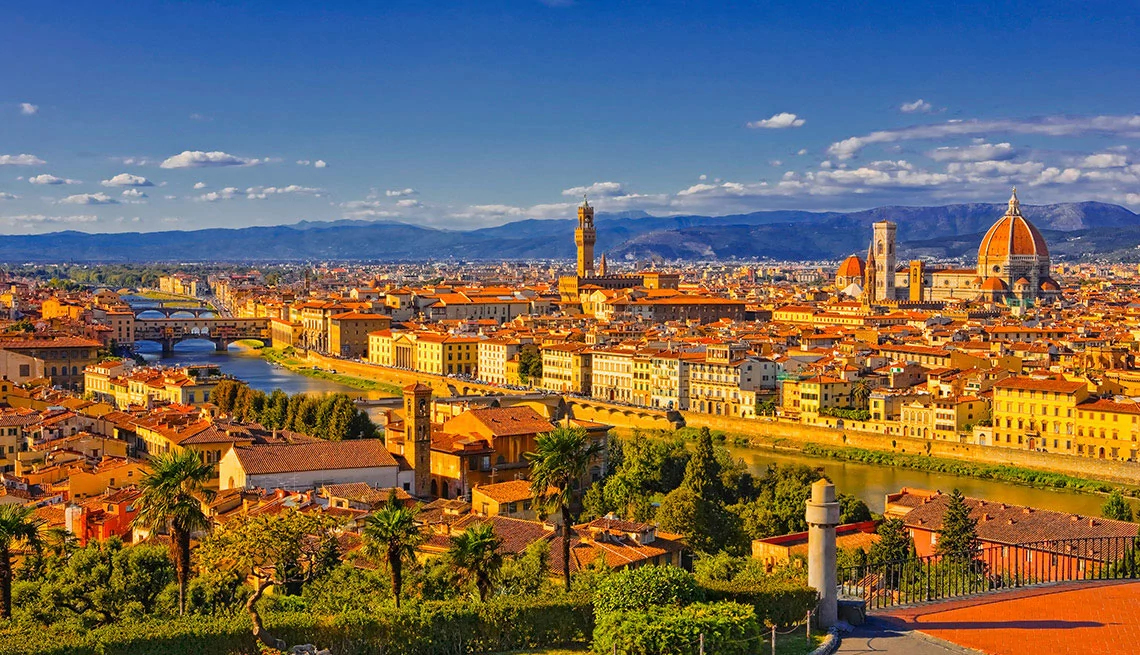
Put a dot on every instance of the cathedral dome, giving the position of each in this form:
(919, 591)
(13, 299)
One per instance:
(1012, 235)
(1049, 285)
(851, 267)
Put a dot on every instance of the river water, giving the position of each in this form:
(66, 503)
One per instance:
(869, 482)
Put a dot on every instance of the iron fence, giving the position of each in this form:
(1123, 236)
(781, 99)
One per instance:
(988, 568)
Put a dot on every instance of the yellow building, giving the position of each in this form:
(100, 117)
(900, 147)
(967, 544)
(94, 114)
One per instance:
(825, 392)
(1106, 429)
(55, 308)
(567, 368)
(513, 498)
(1035, 412)
(348, 332)
(611, 374)
(442, 354)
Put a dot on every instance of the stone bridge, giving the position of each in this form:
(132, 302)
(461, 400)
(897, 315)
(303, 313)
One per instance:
(198, 312)
(221, 331)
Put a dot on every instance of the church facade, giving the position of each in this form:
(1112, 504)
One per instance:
(1013, 269)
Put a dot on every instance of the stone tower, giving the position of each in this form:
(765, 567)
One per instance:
(870, 277)
(417, 435)
(584, 238)
(884, 245)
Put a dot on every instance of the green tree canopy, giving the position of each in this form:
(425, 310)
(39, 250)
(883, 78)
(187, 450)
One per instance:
(1116, 508)
(959, 533)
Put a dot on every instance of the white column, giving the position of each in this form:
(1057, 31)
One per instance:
(822, 516)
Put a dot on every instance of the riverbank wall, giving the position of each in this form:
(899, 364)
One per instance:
(795, 435)
(766, 432)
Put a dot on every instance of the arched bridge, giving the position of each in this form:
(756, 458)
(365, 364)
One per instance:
(198, 312)
(221, 331)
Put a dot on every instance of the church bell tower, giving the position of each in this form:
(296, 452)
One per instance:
(584, 238)
(417, 435)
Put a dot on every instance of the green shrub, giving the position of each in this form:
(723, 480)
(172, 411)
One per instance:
(775, 603)
(417, 629)
(728, 629)
(643, 588)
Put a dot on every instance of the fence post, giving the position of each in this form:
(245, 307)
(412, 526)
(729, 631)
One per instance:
(702, 643)
(808, 634)
(773, 640)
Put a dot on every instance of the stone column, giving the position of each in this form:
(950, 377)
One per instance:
(822, 516)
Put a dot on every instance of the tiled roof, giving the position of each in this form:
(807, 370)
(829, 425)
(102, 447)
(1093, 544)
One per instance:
(511, 421)
(316, 456)
(507, 492)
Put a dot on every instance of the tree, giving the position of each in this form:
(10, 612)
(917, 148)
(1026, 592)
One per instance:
(476, 552)
(706, 524)
(780, 499)
(19, 526)
(287, 549)
(391, 534)
(860, 393)
(561, 459)
(894, 542)
(103, 583)
(703, 473)
(959, 533)
(172, 498)
(852, 509)
(1116, 508)
(530, 366)
(526, 573)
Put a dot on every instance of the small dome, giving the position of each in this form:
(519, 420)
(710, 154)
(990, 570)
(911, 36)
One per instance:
(1021, 283)
(994, 284)
(1049, 285)
(851, 267)
(1011, 235)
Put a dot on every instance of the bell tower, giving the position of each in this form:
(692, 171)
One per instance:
(417, 435)
(584, 238)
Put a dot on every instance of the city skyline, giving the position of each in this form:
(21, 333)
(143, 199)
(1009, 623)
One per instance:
(468, 116)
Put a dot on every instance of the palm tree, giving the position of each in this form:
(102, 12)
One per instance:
(561, 459)
(860, 392)
(172, 498)
(18, 524)
(391, 532)
(476, 551)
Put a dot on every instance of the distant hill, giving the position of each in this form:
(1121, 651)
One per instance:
(1079, 229)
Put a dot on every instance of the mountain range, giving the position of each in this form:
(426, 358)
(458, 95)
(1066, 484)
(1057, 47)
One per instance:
(1072, 229)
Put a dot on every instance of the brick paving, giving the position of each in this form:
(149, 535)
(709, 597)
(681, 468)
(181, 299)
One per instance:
(1073, 619)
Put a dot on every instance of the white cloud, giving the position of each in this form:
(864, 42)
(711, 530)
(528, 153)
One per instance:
(227, 193)
(802, 151)
(51, 180)
(303, 162)
(919, 106)
(199, 185)
(41, 218)
(1053, 175)
(1105, 160)
(200, 159)
(976, 152)
(778, 121)
(21, 160)
(135, 161)
(991, 168)
(28, 109)
(4, 195)
(597, 189)
(126, 179)
(408, 202)
(320, 163)
(133, 194)
(261, 193)
(89, 199)
(399, 193)
(1119, 126)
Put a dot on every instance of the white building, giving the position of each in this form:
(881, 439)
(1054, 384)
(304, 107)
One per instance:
(310, 465)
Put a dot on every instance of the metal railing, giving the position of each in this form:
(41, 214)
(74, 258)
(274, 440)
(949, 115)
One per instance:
(991, 567)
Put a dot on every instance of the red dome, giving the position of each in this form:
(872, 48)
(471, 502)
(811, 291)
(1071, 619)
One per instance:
(1049, 285)
(851, 267)
(1021, 283)
(1012, 235)
(994, 284)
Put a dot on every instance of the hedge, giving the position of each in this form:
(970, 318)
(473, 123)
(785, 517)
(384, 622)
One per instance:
(778, 603)
(643, 588)
(728, 629)
(447, 628)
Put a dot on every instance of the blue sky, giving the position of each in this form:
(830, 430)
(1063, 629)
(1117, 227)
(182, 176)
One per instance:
(153, 116)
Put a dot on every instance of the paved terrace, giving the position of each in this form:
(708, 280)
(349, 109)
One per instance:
(1070, 619)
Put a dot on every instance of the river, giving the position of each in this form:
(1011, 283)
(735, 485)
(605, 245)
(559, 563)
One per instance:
(869, 482)
(872, 483)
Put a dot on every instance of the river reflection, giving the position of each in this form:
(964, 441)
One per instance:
(872, 483)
